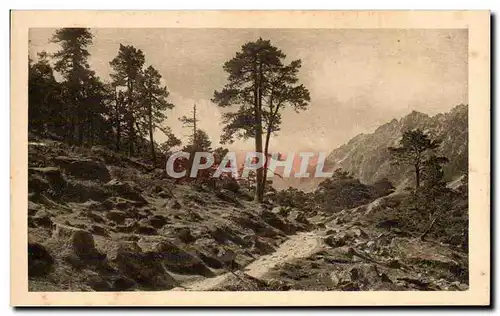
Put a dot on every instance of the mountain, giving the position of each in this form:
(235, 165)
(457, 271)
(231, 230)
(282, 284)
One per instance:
(366, 155)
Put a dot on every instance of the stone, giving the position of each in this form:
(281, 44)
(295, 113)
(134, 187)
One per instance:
(85, 169)
(157, 221)
(126, 190)
(117, 217)
(40, 261)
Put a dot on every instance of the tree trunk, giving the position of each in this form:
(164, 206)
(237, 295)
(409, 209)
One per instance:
(151, 141)
(417, 175)
(118, 124)
(266, 165)
(259, 193)
(130, 136)
(131, 132)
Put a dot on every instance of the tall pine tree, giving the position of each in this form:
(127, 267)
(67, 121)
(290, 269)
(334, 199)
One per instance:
(260, 85)
(153, 97)
(127, 67)
(71, 61)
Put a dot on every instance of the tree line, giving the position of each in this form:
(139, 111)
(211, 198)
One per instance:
(83, 110)
(124, 113)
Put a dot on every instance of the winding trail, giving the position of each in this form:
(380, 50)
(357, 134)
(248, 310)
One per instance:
(298, 246)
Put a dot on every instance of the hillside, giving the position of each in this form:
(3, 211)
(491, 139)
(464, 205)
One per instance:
(100, 221)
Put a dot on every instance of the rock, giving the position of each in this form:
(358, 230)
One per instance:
(335, 279)
(228, 196)
(174, 204)
(178, 260)
(142, 267)
(99, 230)
(117, 217)
(388, 223)
(276, 222)
(157, 221)
(93, 206)
(40, 261)
(184, 234)
(146, 230)
(83, 168)
(110, 157)
(335, 241)
(357, 232)
(97, 283)
(165, 194)
(231, 185)
(330, 232)
(33, 208)
(43, 179)
(224, 235)
(122, 284)
(394, 264)
(210, 260)
(93, 216)
(127, 229)
(126, 190)
(385, 278)
(79, 242)
(301, 218)
(42, 219)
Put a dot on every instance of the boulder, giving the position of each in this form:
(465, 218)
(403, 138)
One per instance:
(388, 223)
(126, 190)
(78, 241)
(277, 222)
(335, 241)
(85, 169)
(174, 204)
(228, 196)
(40, 261)
(157, 221)
(178, 260)
(184, 234)
(119, 203)
(44, 179)
(143, 268)
(117, 217)
(231, 185)
(99, 230)
(146, 230)
(42, 219)
(110, 157)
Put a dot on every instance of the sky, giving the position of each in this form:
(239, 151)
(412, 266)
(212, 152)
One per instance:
(359, 79)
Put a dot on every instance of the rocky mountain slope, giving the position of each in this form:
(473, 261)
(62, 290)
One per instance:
(367, 158)
(99, 221)
(353, 250)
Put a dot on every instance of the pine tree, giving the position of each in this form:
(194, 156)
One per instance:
(154, 100)
(191, 122)
(260, 85)
(71, 61)
(413, 150)
(44, 98)
(127, 67)
(199, 142)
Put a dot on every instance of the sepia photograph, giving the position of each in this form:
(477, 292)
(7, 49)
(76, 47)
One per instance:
(254, 159)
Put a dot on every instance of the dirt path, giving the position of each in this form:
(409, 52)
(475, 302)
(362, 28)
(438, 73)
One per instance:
(298, 246)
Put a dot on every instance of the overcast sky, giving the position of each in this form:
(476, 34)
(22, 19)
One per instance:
(358, 79)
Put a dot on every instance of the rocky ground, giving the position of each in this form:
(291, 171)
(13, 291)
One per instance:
(99, 221)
